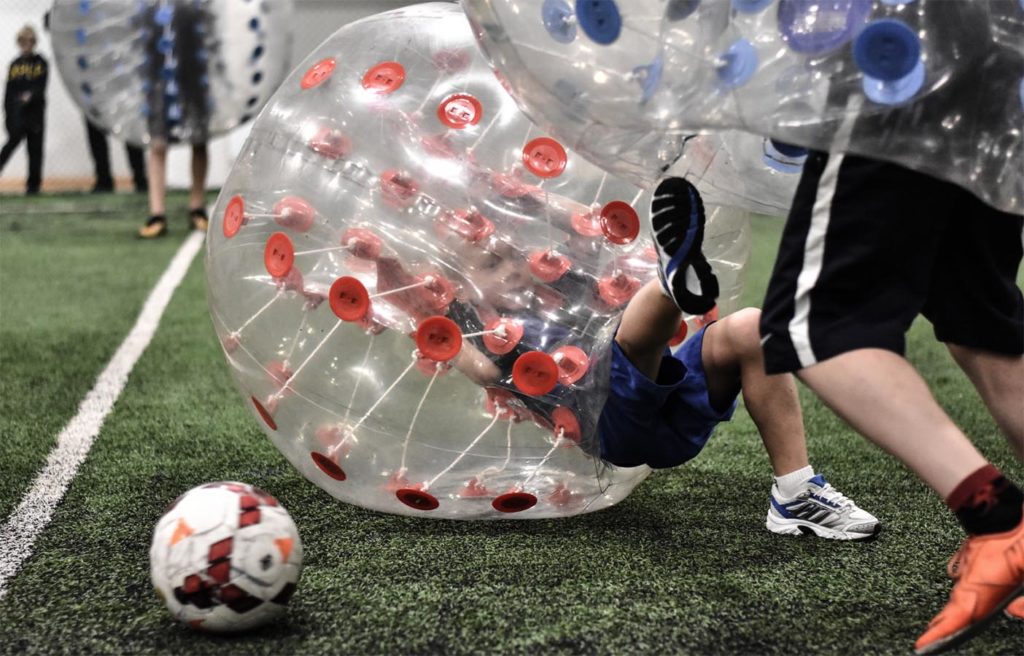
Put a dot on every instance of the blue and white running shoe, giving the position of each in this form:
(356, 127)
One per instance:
(677, 219)
(820, 509)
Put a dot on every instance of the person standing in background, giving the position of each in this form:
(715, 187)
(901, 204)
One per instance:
(25, 107)
(101, 159)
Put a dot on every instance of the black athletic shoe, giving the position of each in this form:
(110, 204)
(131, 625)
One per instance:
(677, 219)
(155, 227)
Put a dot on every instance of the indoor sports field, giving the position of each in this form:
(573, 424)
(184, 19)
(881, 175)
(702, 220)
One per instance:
(684, 565)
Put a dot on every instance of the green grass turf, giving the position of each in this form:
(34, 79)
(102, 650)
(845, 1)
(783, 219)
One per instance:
(683, 565)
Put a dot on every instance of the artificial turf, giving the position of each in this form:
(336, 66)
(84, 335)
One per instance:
(683, 565)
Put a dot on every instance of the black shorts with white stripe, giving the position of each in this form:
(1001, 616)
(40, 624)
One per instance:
(869, 245)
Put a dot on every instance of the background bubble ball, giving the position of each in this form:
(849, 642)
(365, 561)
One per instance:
(179, 70)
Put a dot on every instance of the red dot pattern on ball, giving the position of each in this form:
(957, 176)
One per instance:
(384, 78)
(460, 111)
(318, 72)
(514, 502)
(349, 299)
(619, 222)
(234, 216)
(535, 373)
(545, 157)
(439, 338)
(328, 466)
(279, 255)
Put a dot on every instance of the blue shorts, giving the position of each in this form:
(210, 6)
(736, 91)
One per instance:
(659, 423)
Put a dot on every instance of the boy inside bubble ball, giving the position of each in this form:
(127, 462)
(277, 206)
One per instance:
(661, 407)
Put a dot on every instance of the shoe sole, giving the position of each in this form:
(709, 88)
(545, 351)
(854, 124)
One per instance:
(971, 630)
(799, 527)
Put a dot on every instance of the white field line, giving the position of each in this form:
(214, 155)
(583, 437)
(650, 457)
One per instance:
(19, 532)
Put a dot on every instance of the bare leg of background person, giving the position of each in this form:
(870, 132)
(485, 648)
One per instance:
(158, 178)
(200, 163)
(999, 380)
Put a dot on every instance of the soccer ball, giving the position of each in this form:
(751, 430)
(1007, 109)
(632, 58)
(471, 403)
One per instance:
(226, 557)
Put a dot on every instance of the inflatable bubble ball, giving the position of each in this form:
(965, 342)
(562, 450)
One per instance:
(416, 288)
(179, 70)
(934, 85)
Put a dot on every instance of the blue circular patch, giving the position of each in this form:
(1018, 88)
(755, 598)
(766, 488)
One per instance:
(887, 50)
(164, 15)
(677, 10)
(895, 92)
(557, 18)
(750, 6)
(737, 64)
(600, 20)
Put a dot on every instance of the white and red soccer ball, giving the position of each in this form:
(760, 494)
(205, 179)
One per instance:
(225, 557)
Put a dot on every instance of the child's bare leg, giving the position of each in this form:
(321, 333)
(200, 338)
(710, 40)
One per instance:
(733, 361)
(157, 177)
(649, 321)
(200, 160)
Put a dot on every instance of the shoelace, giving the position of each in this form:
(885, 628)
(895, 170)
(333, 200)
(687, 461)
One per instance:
(829, 493)
(957, 561)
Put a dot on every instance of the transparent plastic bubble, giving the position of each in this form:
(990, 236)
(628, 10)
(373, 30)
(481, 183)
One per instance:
(931, 84)
(180, 70)
(416, 288)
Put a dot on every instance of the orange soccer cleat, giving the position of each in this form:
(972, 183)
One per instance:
(989, 573)
(1015, 611)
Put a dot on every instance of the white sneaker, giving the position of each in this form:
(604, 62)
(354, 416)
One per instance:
(821, 510)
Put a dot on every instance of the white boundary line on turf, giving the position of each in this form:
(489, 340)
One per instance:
(18, 534)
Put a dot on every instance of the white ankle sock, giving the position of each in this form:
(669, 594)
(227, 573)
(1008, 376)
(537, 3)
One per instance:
(792, 483)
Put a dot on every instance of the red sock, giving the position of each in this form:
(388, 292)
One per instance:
(986, 502)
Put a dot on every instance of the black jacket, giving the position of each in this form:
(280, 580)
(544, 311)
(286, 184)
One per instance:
(27, 74)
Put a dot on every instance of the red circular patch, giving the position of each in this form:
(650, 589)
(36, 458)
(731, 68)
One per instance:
(680, 335)
(514, 502)
(548, 266)
(362, 243)
(572, 364)
(264, 413)
(618, 289)
(417, 499)
(586, 224)
(460, 111)
(348, 299)
(438, 338)
(331, 143)
(295, 213)
(328, 466)
(384, 78)
(619, 222)
(318, 72)
(566, 424)
(545, 157)
(234, 216)
(498, 344)
(535, 373)
(279, 255)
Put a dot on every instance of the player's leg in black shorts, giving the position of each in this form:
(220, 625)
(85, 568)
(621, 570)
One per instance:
(869, 245)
